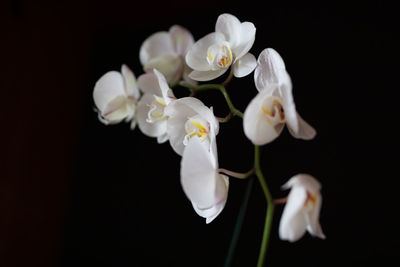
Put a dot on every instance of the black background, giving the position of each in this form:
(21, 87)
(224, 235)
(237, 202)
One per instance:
(77, 193)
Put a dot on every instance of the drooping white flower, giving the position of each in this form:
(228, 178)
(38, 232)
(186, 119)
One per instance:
(273, 107)
(115, 96)
(202, 184)
(151, 115)
(302, 209)
(188, 117)
(212, 55)
(166, 51)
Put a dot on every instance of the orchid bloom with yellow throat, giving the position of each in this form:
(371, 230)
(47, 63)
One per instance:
(151, 115)
(228, 46)
(188, 117)
(301, 212)
(273, 107)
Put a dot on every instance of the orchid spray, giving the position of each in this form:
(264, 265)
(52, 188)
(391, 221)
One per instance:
(173, 59)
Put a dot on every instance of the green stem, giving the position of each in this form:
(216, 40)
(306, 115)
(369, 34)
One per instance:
(219, 87)
(239, 223)
(270, 207)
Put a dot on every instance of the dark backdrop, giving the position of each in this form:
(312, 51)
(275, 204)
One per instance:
(74, 192)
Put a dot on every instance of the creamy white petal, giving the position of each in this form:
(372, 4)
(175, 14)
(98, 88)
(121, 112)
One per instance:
(198, 175)
(246, 41)
(185, 76)
(196, 57)
(133, 124)
(312, 217)
(230, 26)
(270, 70)
(162, 138)
(131, 87)
(244, 65)
(157, 44)
(148, 84)
(166, 92)
(150, 129)
(107, 88)
(206, 75)
(303, 180)
(293, 222)
(296, 125)
(117, 110)
(171, 65)
(182, 39)
(257, 127)
(211, 213)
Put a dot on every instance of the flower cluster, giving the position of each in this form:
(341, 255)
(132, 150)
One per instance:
(172, 59)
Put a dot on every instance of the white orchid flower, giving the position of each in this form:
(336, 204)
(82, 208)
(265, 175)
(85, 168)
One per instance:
(151, 115)
(202, 184)
(273, 107)
(166, 51)
(188, 117)
(212, 55)
(115, 96)
(302, 209)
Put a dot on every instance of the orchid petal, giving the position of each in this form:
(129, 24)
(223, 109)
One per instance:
(171, 65)
(182, 39)
(296, 125)
(196, 57)
(314, 227)
(166, 92)
(270, 70)
(293, 222)
(148, 84)
(244, 66)
(206, 189)
(230, 26)
(131, 87)
(156, 45)
(247, 38)
(206, 75)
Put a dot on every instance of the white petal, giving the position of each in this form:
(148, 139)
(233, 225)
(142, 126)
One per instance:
(303, 180)
(156, 45)
(166, 92)
(200, 181)
(186, 71)
(293, 223)
(247, 37)
(196, 58)
(206, 75)
(108, 87)
(171, 65)
(211, 213)
(162, 138)
(182, 39)
(244, 66)
(150, 129)
(230, 26)
(296, 125)
(256, 126)
(131, 87)
(148, 84)
(270, 70)
(314, 227)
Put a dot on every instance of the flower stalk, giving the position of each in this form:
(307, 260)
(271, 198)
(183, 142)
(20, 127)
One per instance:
(270, 207)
